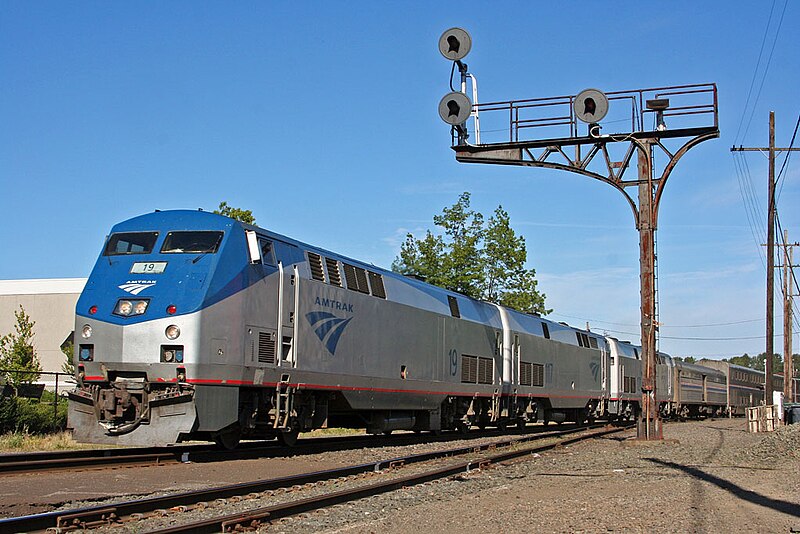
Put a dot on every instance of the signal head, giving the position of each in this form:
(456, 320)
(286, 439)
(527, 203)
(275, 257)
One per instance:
(455, 108)
(591, 105)
(455, 44)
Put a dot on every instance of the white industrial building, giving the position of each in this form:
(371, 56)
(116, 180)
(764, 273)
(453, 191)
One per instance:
(50, 303)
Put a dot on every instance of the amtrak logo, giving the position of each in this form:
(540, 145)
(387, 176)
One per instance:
(595, 367)
(328, 328)
(134, 287)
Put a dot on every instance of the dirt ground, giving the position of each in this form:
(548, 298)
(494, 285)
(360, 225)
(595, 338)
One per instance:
(708, 476)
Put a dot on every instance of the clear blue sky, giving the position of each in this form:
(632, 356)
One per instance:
(321, 118)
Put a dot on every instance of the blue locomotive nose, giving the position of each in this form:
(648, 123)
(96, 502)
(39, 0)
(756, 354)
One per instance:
(155, 266)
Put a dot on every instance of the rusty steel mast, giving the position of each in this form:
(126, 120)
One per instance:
(692, 112)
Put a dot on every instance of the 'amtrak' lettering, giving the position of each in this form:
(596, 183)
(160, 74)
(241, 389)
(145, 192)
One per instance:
(334, 304)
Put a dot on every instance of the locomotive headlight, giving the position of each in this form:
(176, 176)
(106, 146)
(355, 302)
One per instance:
(123, 308)
(86, 331)
(128, 308)
(139, 307)
(172, 332)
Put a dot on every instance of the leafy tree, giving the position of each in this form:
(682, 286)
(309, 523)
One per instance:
(245, 216)
(486, 262)
(759, 362)
(506, 280)
(744, 360)
(17, 352)
(687, 359)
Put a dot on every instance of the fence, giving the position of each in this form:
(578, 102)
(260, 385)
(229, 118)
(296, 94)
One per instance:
(36, 389)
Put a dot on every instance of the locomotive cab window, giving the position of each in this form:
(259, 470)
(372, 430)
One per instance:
(192, 242)
(130, 243)
(267, 252)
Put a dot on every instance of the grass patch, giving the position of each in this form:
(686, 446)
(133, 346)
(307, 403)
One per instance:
(322, 432)
(24, 442)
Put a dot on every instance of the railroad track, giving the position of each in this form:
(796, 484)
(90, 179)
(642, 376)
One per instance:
(39, 462)
(476, 457)
(144, 456)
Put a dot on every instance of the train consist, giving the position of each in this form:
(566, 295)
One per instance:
(195, 326)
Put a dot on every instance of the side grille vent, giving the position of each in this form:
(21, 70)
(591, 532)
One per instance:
(376, 282)
(266, 347)
(454, 311)
(525, 374)
(629, 384)
(315, 263)
(350, 276)
(333, 272)
(361, 276)
(537, 375)
(469, 369)
(477, 370)
(583, 339)
(356, 278)
(485, 371)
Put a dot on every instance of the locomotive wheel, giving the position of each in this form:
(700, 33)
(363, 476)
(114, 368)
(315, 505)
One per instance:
(228, 438)
(462, 427)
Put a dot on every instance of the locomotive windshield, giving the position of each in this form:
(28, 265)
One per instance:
(191, 242)
(130, 243)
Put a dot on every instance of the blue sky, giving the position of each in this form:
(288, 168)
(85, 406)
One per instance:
(321, 118)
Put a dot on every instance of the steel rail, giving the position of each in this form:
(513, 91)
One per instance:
(96, 458)
(255, 518)
(84, 516)
(144, 456)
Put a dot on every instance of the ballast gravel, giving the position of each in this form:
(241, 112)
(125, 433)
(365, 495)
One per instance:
(707, 476)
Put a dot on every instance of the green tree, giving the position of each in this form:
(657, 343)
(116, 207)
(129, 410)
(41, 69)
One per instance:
(17, 352)
(486, 262)
(745, 360)
(506, 280)
(245, 216)
(759, 362)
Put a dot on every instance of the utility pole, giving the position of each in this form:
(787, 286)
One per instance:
(788, 275)
(770, 349)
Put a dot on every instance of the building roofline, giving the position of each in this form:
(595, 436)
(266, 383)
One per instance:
(42, 286)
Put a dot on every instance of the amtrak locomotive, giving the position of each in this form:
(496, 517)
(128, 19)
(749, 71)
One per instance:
(193, 325)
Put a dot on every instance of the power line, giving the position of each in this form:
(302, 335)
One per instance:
(662, 325)
(746, 191)
(781, 178)
(755, 74)
(678, 338)
(766, 68)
